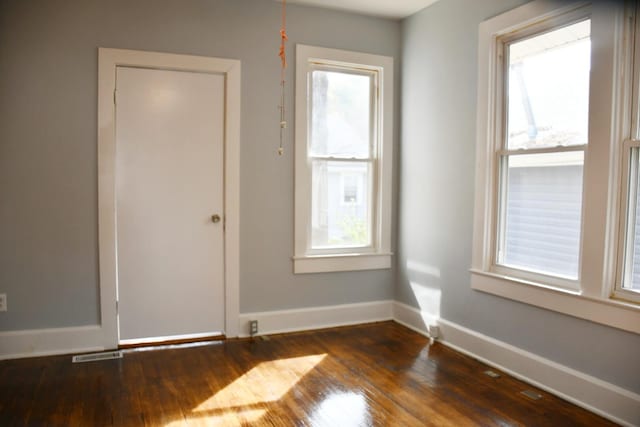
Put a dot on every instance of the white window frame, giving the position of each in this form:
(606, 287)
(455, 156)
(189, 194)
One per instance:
(591, 297)
(378, 255)
(503, 153)
(630, 172)
(627, 221)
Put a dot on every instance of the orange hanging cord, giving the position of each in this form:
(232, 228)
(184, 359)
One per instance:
(283, 37)
(283, 58)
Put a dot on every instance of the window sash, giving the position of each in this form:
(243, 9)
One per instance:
(630, 174)
(630, 195)
(374, 106)
(372, 217)
(371, 159)
(635, 84)
(499, 251)
(557, 23)
(558, 149)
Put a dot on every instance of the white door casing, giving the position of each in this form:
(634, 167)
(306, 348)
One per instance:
(229, 70)
(169, 184)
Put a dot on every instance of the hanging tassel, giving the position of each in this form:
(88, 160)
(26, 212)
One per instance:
(283, 59)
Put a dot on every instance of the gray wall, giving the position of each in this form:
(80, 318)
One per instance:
(439, 74)
(48, 160)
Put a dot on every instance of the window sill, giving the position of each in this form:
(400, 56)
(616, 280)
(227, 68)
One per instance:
(617, 314)
(341, 262)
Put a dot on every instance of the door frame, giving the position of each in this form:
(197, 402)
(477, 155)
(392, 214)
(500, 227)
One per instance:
(108, 60)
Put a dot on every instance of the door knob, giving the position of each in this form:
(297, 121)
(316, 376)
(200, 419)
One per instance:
(215, 218)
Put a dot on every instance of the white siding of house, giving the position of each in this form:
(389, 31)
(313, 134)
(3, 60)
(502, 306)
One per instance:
(543, 216)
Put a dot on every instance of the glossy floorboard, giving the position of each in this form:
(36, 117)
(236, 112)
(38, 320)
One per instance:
(378, 374)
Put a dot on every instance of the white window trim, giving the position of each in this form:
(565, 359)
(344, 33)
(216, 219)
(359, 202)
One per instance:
(632, 142)
(608, 120)
(625, 242)
(378, 256)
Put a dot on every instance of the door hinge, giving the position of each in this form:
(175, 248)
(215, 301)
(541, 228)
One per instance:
(117, 307)
(114, 96)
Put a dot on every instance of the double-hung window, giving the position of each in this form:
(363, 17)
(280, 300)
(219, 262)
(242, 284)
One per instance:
(627, 286)
(540, 148)
(557, 207)
(343, 160)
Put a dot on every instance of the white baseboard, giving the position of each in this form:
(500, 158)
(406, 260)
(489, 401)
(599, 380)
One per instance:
(413, 318)
(603, 398)
(305, 319)
(48, 342)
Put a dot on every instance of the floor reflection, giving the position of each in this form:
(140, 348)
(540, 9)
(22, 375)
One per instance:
(342, 409)
(424, 370)
(223, 418)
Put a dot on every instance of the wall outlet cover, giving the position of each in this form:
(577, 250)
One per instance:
(253, 327)
(434, 331)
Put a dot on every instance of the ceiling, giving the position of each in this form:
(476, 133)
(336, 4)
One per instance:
(396, 9)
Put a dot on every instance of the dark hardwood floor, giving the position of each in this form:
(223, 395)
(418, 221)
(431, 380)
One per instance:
(378, 374)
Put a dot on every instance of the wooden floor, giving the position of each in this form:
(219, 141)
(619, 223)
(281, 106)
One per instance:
(379, 374)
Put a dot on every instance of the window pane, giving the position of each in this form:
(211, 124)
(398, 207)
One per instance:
(542, 203)
(633, 278)
(340, 114)
(340, 204)
(548, 92)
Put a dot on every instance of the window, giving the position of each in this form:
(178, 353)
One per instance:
(628, 285)
(541, 151)
(554, 90)
(628, 279)
(343, 160)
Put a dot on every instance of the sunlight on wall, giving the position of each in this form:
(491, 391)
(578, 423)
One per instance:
(425, 284)
(428, 298)
(427, 270)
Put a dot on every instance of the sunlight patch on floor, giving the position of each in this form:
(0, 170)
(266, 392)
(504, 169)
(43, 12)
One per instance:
(242, 401)
(266, 382)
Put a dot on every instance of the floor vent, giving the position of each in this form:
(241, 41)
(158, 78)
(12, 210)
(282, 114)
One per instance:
(97, 356)
(532, 394)
(492, 374)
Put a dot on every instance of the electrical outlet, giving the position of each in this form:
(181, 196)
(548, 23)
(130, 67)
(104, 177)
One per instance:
(434, 331)
(3, 302)
(253, 327)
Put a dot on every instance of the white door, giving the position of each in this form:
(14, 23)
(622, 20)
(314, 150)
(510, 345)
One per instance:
(169, 185)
